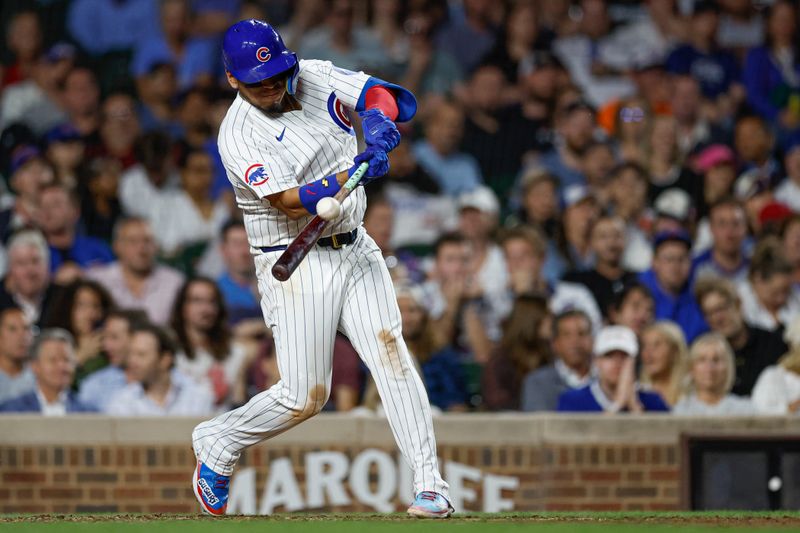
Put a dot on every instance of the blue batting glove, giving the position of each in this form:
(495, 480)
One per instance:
(378, 164)
(379, 131)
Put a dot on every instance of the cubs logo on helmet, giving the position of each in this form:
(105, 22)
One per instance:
(338, 113)
(256, 175)
(262, 54)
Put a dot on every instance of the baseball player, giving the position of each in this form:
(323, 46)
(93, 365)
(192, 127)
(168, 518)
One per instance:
(286, 142)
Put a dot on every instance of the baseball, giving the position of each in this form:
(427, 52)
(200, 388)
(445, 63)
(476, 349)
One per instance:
(329, 208)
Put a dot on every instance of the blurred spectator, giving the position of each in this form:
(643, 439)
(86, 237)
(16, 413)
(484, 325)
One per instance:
(238, 283)
(66, 151)
(541, 76)
(194, 126)
(522, 350)
(669, 282)
(29, 173)
(498, 150)
(627, 194)
(597, 163)
(53, 364)
(212, 17)
(205, 350)
(454, 299)
(769, 300)
(387, 24)
(344, 44)
(673, 210)
(471, 38)
(790, 237)
(664, 360)
(572, 363)
(27, 282)
(772, 71)
(632, 122)
(187, 216)
(789, 189)
(306, 18)
(478, 216)
(380, 222)
(588, 55)
(81, 309)
(540, 205)
(574, 127)
(652, 34)
(157, 390)
(664, 159)
(16, 376)
(81, 101)
(100, 207)
(633, 307)
(194, 59)
(135, 280)
(119, 129)
(727, 257)
(710, 378)
(141, 187)
(524, 251)
(430, 70)
(24, 42)
(347, 376)
(607, 277)
(716, 69)
(69, 252)
(97, 389)
(441, 368)
(754, 348)
(521, 36)
(777, 391)
(35, 102)
(754, 143)
(614, 390)
(102, 26)
(156, 88)
(580, 212)
(438, 154)
(741, 25)
(717, 164)
(693, 129)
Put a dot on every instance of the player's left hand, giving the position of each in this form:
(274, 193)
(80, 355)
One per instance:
(379, 131)
(378, 164)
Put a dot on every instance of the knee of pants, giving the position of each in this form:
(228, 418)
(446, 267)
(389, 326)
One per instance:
(304, 408)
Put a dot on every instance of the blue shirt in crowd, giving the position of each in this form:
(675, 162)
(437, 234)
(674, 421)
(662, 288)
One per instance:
(85, 252)
(715, 71)
(239, 299)
(591, 399)
(681, 309)
(455, 173)
(444, 379)
(102, 26)
(199, 58)
(99, 387)
(767, 90)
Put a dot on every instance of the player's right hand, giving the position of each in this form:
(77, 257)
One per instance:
(378, 164)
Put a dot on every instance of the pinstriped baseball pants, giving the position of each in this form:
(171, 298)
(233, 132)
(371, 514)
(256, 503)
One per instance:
(350, 290)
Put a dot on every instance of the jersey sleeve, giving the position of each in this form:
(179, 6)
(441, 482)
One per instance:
(347, 84)
(258, 168)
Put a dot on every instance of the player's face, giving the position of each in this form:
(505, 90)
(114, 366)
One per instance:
(267, 95)
(15, 335)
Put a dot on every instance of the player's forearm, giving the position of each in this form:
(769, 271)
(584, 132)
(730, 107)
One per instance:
(288, 202)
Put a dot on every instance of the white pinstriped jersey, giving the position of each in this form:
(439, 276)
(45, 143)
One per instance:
(266, 153)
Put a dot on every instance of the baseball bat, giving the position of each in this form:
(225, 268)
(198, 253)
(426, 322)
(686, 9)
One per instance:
(308, 237)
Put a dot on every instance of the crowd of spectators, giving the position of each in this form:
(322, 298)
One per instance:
(596, 208)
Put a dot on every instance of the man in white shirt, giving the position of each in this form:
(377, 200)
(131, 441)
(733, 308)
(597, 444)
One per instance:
(53, 364)
(157, 390)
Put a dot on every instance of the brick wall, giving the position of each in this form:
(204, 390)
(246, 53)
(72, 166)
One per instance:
(146, 466)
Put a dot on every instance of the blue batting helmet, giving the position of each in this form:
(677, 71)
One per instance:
(253, 51)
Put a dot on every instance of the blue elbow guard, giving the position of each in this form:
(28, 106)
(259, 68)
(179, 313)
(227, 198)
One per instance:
(313, 192)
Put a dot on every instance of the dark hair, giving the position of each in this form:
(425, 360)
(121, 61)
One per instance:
(522, 342)
(570, 313)
(133, 317)
(622, 296)
(769, 260)
(628, 165)
(164, 339)
(725, 201)
(8, 309)
(183, 159)
(228, 226)
(153, 149)
(445, 239)
(60, 314)
(71, 193)
(528, 233)
(768, 12)
(218, 334)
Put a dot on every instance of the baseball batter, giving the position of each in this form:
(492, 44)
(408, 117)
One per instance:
(286, 142)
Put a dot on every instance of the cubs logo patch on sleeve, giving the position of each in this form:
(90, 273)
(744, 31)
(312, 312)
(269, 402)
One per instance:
(338, 113)
(256, 175)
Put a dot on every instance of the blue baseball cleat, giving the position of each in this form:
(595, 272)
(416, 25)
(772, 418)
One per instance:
(429, 504)
(211, 489)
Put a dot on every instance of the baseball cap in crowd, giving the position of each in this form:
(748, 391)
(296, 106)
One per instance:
(671, 236)
(673, 203)
(481, 198)
(22, 155)
(62, 133)
(750, 184)
(711, 156)
(575, 194)
(616, 338)
(774, 213)
(60, 51)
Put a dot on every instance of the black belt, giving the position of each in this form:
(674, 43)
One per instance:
(334, 241)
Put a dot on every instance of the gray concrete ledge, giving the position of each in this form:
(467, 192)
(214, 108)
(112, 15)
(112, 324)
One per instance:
(451, 429)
